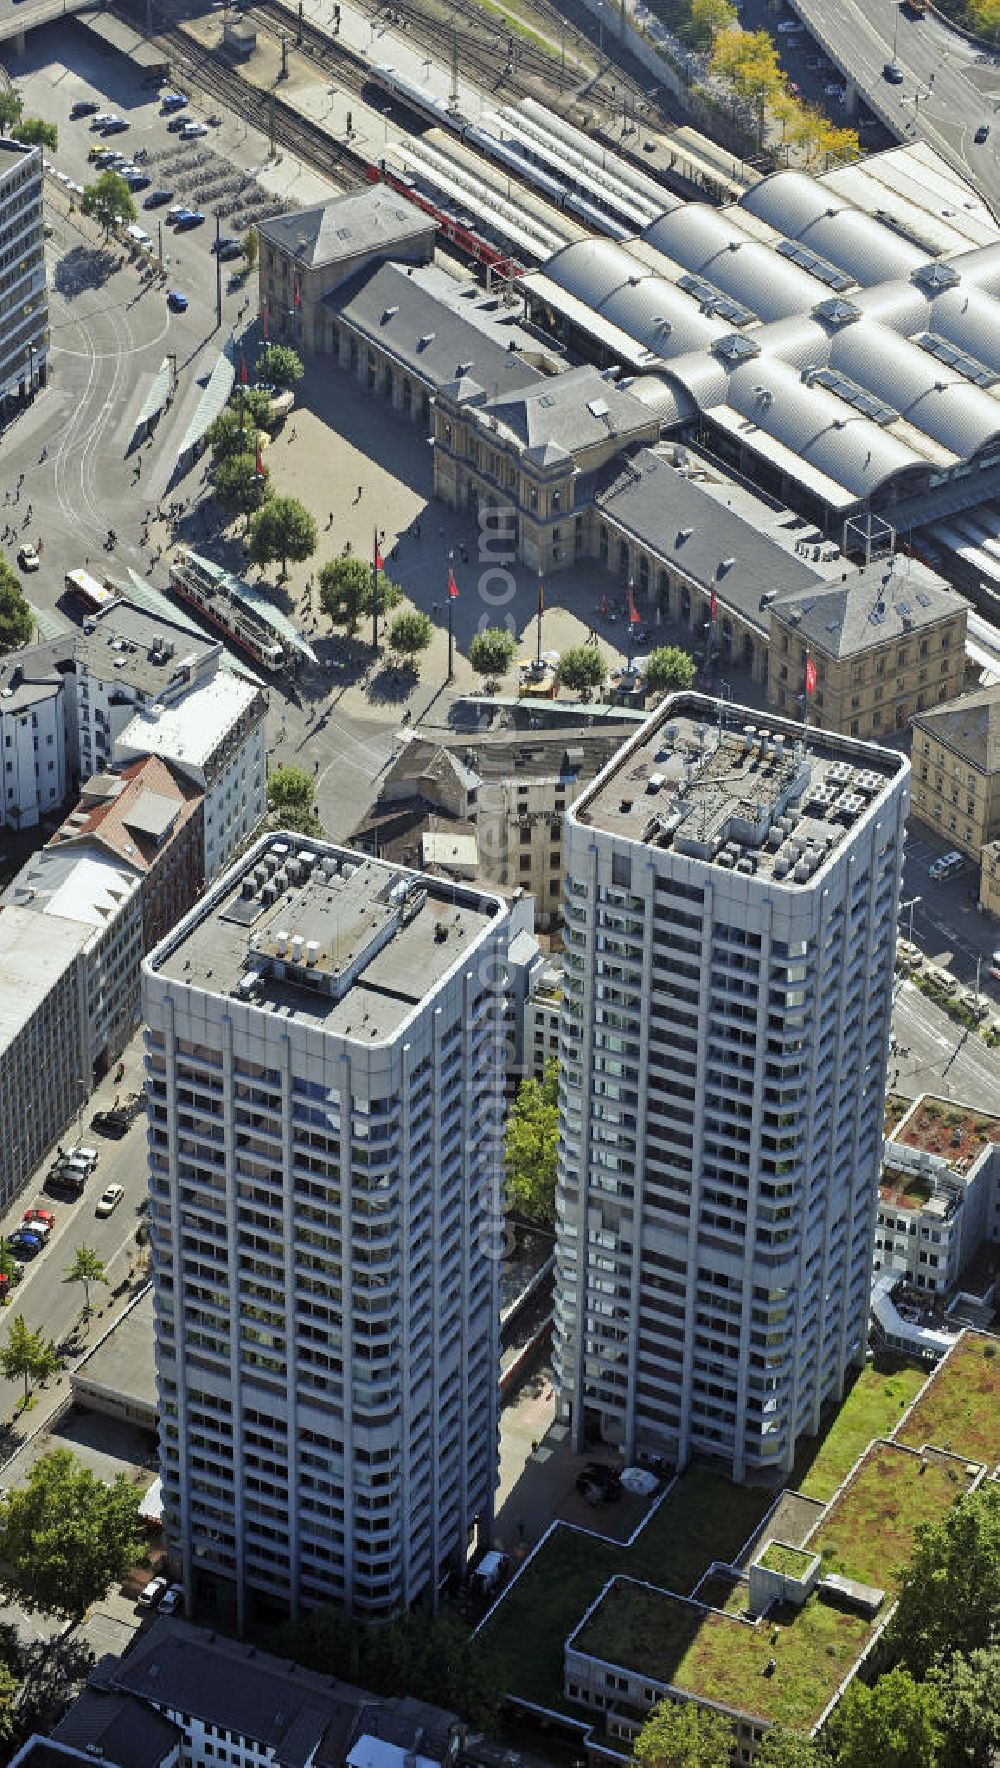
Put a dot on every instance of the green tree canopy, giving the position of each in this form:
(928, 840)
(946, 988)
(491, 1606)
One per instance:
(34, 132)
(582, 668)
(492, 651)
(11, 106)
(669, 667)
(343, 585)
(251, 249)
(109, 201)
(411, 633)
(67, 1536)
(950, 1596)
(708, 18)
(894, 1724)
(16, 620)
(233, 431)
(968, 1687)
(290, 788)
(530, 1146)
(237, 485)
(256, 405)
(282, 529)
(679, 1734)
(789, 1749)
(280, 365)
(27, 1353)
(87, 1268)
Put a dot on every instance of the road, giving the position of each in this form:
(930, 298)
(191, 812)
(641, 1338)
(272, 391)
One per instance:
(946, 91)
(942, 1057)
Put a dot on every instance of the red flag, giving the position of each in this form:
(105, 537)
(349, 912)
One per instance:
(263, 318)
(244, 377)
(632, 615)
(379, 563)
(452, 585)
(713, 606)
(298, 293)
(260, 462)
(810, 676)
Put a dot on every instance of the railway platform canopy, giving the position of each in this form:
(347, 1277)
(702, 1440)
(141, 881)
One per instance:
(146, 56)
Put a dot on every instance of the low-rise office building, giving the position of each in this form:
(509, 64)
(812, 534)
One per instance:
(128, 660)
(939, 1194)
(956, 770)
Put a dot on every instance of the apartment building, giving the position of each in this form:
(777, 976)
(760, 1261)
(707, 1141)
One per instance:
(956, 770)
(35, 750)
(325, 1074)
(128, 660)
(939, 1196)
(214, 736)
(730, 914)
(42, 1015)
(24, 299)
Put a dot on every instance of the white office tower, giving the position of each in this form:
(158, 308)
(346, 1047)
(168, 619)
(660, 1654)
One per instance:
(730, 919)
(325, 1073)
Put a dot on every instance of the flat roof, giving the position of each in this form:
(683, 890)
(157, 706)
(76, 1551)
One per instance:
(35, 952)
(76, 883)
(191, 731)
(123, 1364)
(128, 644)
(742, 790)
(327, 936)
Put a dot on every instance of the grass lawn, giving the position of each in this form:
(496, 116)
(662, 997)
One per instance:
(962, 1411)
(705, 1518)
(725, 1659)
(872, 1408)
(792, 1562)
(869, 1533)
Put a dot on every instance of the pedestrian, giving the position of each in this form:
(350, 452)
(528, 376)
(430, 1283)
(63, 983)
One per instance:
(361, 492)
(329, 521)
(28, 517)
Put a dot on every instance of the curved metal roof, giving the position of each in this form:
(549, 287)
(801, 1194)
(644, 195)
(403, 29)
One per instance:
(968, 317)
(901, 304)
(592, 268)
(937, 399)
(980, 267)
(789, 201)
(860, 245)
(661, 316)
(705, 241)
(818, 427)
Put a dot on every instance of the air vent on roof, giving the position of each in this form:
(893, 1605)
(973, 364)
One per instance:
(936, 276)
(811, 261)
(428, 338)
(836, 311)
(733, 347)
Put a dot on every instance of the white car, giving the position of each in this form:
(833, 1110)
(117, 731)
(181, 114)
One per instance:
(945, 865)
(191, 130)
(109, 1200)
(153, 1592)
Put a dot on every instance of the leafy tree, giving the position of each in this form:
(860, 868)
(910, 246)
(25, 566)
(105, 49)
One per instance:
(109, 201)
(36, 133)
(8, 1262)
(282, 529)
(411, 633)
(343, 584)
(290, 788)
(16, 619)
(749, 61)
(789, 1749)
(280, 365)
(87, 1268)
(950, 1595)
(256, 405)
(251, 248)
(67, 1536)
(968, 1690)
(894, 1724)
(11, 106)
(669, 667)
(708, 18)
(233, 431)
(492, 651)
(27, 1353)
(679, 1734)
(582, 668)
(238, 486)
(10, 1695)
(530, 1147)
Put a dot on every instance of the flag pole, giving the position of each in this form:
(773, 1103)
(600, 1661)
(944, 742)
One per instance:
(451, 604)
(375, 591)
(541, 610)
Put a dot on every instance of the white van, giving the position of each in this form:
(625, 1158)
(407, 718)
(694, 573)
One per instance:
(139, 237)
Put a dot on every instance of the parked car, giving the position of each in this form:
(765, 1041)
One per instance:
(84, 107)
(109, 1200)
(172, 1600)
(172, 101)
(40, 1215)
(110, 1123)
(909, 954)
(117, 126)
(157, 198)
(945, 865)
(153, 1592)
(26, 1243)
(191, 218)
(100, 118)
(175, 125)
(27, 558)
(789, 24)
(139, 181)
(995, 964)
(177, 301)
(229, 249)
(598, 1483)
(174, 214)
(191, 131)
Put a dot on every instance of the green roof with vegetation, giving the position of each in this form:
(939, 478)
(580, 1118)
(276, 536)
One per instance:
(792, 1562)
(961, 1412)
(867, 1534)
(872, 1407)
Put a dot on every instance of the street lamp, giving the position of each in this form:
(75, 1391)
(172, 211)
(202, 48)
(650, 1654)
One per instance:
(911, 905)
(451, 604)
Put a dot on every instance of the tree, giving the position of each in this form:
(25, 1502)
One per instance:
(290, 788)
(87, 1268)
(708, 18)
(582, 668)
(411, 633)
(530, 1147)
(27, 1353)
(33, 132)
(789, 1749)
(669, 667)
(256, 405)
(950, 1595)
(492, 651)
(679, 1734)
(238, 486)
(280, 365)
(67, 1536)
(251, 248)
(11, 106)
(894, 1724)
(16, 620)
(343, 585)
(967, 1687)
(108, 201)
(282, 529)
(233, 431)
(8, 1263)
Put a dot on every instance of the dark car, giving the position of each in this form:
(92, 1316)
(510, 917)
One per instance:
(117, 126)
(193, 218)
(229, 249)
(599, 1484)
(177, 301)
(982, 132)
(110, 1123)
(893, 73)
(157, 198)
(84, 107)
(26, 1244)
(139, 181)
(176, 124)
(224, 240)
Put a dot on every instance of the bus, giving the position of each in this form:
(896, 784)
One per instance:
(94, 596)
